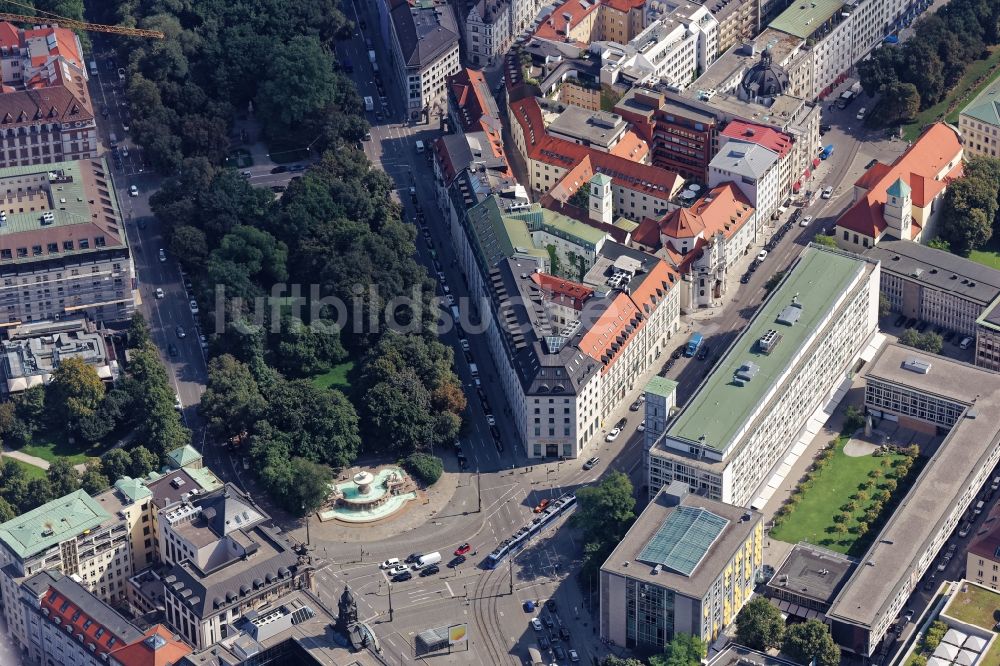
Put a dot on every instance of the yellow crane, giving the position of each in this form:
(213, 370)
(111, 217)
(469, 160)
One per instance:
(73, 24)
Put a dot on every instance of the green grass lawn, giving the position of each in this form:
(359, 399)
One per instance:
(53, 447)
(30, 471)
(812, 518)
(336, 377)
(963, 90)
(987, 256)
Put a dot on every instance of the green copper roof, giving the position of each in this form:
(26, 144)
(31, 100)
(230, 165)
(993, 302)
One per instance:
(205, 478)
(661, 386)
(184, 455)
(601, 179)
(58, 520)
(986, 106)
(134, 489)
(802, 19)
(899, 189)
(816, 281)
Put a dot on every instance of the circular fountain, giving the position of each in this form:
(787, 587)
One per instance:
(368, 496)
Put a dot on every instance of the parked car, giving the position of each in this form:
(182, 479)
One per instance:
(465, 345)
(491, 420)
(159, 293)
(559, 652)
(180, 332)
(635, 406)
(133, 191)
(400, 577)
(541, 506)
(861, 113)
(622, 422)
(193, 304)
(613, 435)
(390, 563)
(872, 163)
(564, 633)
(536, 624)
(463, 549)
(762, 255)
(551, 605)
(430, 571)
(455, 561)
(704, 352)
(591, 463)
(163, 255)
(543, 642)
(804, 222)
(548, 621)
(172, 350)
(412, 557)
(744, 279)
(827, 192)
(398, 569)
(573, 656)
(642, 426)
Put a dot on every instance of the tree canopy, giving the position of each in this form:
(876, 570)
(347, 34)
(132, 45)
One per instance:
(811, 640)
(759, 625)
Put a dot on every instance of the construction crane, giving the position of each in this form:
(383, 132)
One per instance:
(73, 24)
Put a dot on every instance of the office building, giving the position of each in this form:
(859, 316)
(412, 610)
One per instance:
(902, 200)
(739, 21)
(701, 241)
(752, 168)
(32, 352)
(66, 625)
(63, 250)
(934, 286)
(687, 565)
(940, 397)
(988, 337)
(779, 143)
(979, 123)
(424, 49)
(45, 107)
(808, 579)
(784, 366)
(568, 352)
(982, 557)
(77, 535)
(671, 50)
(223, 562)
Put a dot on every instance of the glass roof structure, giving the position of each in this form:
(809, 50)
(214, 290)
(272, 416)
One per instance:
(683, 539)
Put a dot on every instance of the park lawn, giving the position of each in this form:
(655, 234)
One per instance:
(812, 518)
(987, 256)
(53, 447)
(962, 90)
(30, 471)
(336, 377)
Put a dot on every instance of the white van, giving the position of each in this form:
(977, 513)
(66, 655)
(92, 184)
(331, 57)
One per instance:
(420, 146)
(427, 560)
(965, 343)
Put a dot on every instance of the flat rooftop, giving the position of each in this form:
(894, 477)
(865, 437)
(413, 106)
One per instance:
(596, 127)
(624, 561)
(805, 17)
(45, 526)
(812, 572)
(661, 386)
(990, 318)
(938, 269)
(817, 280)
(888, 563)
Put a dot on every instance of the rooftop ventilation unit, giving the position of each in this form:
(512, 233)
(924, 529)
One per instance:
(769, 341)
(791, 314)
(916, 365)
(745, 374)
(177, 482)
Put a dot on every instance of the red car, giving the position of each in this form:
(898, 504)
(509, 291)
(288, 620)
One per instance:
(463, 549)
(541, 506)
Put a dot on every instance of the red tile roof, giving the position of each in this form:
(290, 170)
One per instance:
(920, 167)
(63, 45)
(554, 27)
(762, 135)
(103, 639)
(467, 86)
(157, 647)
(624, 5)
(10, 37)
(563, 292)
(565, 154)
(724, 209)
(631, 146)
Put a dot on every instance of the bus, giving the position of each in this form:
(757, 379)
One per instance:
(520, 539)
(694, 343)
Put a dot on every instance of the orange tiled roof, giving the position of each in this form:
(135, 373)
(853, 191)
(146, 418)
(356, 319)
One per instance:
(96, 633)
(724, 210)
(565, 154)
(919, 167)
(65, 45)
(554, 27)
(157, 647)
(654, 288)
(631, 146)
(624, 5)
(9, 36)
(609, 334)
(768, 137)
(566, 292)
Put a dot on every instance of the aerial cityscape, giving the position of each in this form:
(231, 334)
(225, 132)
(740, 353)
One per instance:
(500, 332)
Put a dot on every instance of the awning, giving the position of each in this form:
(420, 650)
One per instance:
(797, 186)
(816, 162)
(808, 173)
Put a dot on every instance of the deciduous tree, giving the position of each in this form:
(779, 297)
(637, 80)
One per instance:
(759, 625)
